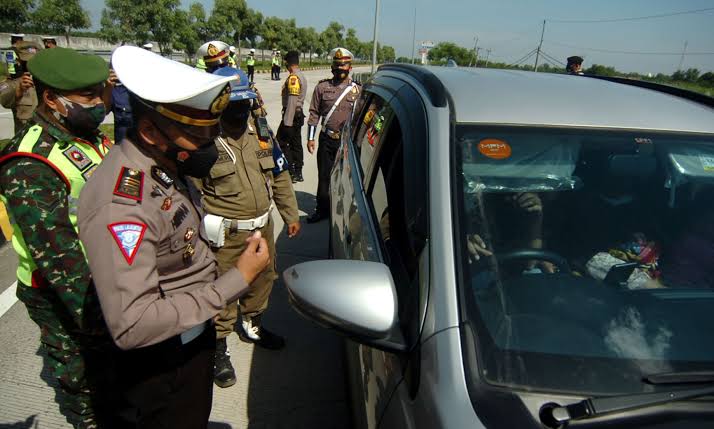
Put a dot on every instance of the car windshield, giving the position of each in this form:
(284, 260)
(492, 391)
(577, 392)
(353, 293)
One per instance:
(587, 256)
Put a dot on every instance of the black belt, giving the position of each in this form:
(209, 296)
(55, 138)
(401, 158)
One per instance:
(332, 135)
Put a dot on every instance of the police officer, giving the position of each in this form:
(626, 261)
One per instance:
(215, 54)
(250, 62)
(275, 65)
(575, 65)
(49, 42)
(290, 129)
(232, 56)
(239, 195)
(42, 172)
(332, 100)
(140, 222)
(10, 56)
(148, 46)
(19, 93)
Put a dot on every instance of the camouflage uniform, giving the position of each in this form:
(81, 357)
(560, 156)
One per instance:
(61, 299)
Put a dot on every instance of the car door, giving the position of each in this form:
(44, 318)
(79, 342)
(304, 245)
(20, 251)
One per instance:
(379, 153)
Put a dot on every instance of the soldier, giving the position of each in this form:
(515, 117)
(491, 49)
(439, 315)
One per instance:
(250, 62)
(575, 65)
(332, 99)
(290, 129)
(239, 195)
(19, 93)
(49, 42)
(42, 172)
(140, 221)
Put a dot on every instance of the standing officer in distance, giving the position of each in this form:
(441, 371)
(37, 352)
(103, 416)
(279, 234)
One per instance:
(276, 62)
(290, 129)
(19, 93)
(140, 221)
(49, 42)
(575, 65)
(232, 57)
(9, 54)
(42, 172)
(250, 62)
(332, 99)
(239, 195)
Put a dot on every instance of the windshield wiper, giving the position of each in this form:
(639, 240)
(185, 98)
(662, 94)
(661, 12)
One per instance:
(595, 407)
(684, 377)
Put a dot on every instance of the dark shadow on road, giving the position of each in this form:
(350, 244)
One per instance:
(306, 201)
(27, 424)
(219, 425)
(303, 385)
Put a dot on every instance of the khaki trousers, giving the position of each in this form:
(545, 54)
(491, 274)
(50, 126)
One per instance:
(255, 301)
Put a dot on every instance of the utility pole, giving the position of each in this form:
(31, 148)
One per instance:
(414, 36)
(374, 45)
(475, 51)
(488, 53)
(540, 45)
(681, 60)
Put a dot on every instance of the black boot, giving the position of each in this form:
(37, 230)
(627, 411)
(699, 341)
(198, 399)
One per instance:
(293, 175)
(316, 217)
(251, 331)
(298, 174)
(223, 373)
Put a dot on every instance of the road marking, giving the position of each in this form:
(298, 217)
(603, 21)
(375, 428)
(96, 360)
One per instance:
(8, 298)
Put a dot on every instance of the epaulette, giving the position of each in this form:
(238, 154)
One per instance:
(325, 80)
(129, 185)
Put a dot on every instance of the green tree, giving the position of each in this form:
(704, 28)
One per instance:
(60, 16)
(187, 39)
(332, 36)
(706, 79)
(15, 14)
(140, 21)
(227, 19)
(251, 26)
(691, 75)
(199, 22)
(600, 70)
(444, 51)
(309, 41)
(352, 42)
(385, 54)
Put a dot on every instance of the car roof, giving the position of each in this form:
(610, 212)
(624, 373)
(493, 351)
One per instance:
(548, 99)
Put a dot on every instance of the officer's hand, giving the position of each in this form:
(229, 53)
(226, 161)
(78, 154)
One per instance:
(477, 247)
(112, 79)
(254, 259)
(293, 229)
(25, 84)
(529, 202)
(311, 146)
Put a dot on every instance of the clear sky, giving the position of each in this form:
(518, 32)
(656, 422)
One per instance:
(512, 28)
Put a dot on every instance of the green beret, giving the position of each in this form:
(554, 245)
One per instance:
(66, 69)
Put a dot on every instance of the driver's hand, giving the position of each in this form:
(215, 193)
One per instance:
(476, 247)
(528, 201)
(544, 266)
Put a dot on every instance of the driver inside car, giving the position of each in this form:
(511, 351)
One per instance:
(506, 222)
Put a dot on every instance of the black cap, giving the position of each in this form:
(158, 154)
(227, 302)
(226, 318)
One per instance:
(575, 60)
(292, 57)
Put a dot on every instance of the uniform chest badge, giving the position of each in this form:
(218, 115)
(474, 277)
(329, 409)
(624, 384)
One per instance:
(128, 236)
(160, 176)
(166, 205)
(77, 157)
(130, 184)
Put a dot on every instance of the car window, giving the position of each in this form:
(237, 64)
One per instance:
(386, 197)
(372, 124)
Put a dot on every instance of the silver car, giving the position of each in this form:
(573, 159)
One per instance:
(521, 250)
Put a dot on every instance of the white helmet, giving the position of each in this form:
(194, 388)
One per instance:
(232, 49)
(252, 49)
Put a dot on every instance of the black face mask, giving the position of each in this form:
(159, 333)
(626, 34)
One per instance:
(339, 74)
(199, 162)
(237, 113)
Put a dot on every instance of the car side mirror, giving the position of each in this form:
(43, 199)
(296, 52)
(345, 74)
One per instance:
(356, 298)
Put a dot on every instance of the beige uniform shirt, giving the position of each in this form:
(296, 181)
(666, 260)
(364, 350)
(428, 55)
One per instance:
(325, 95)
(154, 272)
(22, 108)
(293, 93)
(241, 184)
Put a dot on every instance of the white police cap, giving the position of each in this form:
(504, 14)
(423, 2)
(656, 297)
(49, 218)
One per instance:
(341, 56)
(148, 46)
(17, 35)
(215, 50)
(160, 81)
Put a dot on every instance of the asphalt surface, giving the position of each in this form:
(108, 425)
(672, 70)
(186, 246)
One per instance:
(301, 386)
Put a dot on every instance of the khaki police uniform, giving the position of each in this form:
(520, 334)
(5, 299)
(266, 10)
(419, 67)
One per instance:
(23, 107)
(155, 275)
(290, 130)
(324, 97)
(242, 189)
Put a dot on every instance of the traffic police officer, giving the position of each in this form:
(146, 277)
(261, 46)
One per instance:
(239, 195)
(10, 55)
(575, 65)
(332, 100)
(19, 94)
(232, 56)
(290, 129)
(42, 172)
(140, 221)
(214, 55)
(250, 62)
(49, 42)
(276, 65)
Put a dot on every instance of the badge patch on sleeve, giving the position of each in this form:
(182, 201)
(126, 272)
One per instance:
(128, 236)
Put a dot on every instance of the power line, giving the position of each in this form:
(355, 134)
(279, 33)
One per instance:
(613, 51)
(552, 59)
(637, 18)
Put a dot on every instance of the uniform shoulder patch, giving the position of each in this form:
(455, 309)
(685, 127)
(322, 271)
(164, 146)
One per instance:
(128, 236)
(160, 176)
(325, 80)
(130, 184)
(293, 85)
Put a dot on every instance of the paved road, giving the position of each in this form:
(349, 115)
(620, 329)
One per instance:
(301, 386)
